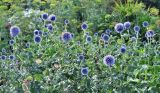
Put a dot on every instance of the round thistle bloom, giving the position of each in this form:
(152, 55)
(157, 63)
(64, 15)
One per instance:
(133, 38)
(84, 26)
(12, 57)
(37, 39)
(109, 60)
(3, 57)
(127, 25)
(44, 16)
(66, 21)
(81, 57)
(149, 33)
(88, 39)
(66, 36)
(108, 31)
(105, 37)
(136, 28)
(11, 42)
(50, 27)
(123, 49)
(36, 32)
(119, 28)
(52, 17)
(14, 31)
(145, 24)
(84, 71)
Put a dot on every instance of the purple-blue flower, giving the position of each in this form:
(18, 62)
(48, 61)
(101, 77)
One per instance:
(81, 57)
(123, 49)
(66, 21)
(105, 37)
(11, 42)
(14, 31)
(37, 39)
(12, 57)
(149, 33)
(52, 17)
(133, 38)
(84, 70)
(84, 26)
(3, 57)
(145, 24)
(96, 34)
(119, 27)
(44, 16)
(66, 36)
(27, 45)
(109, 60)
(88, 39)
(127, 25)
(136, 28)
(108, 31)
(50, 27)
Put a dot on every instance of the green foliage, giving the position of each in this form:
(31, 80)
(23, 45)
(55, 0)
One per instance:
(52, 66)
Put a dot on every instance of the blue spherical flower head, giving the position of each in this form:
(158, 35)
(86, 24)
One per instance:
(105, 37)
(109, 60)
(66, 36)
(37, 39)
(133, 38)
(84, 71)
(127, 25)
(149, 33)
(81, 57)
(12, 57)
(3, 57)
(119, 28)
(145, 24)
(50, 27)
(88, 39)
(123, 49)
(52, 18)
(36, 32)
(96, 34)
(84, 26)
(44, 16)
(108, 31)
(66, 21)
(14, 31)
(136, 28)
(11, 42)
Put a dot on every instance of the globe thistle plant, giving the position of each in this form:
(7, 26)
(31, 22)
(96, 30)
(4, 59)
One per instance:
(88, 39)
(37, 39)
(145, 24)
(44, 16)
(14, 31)
(52, 18)
(12, 57)
(105, 37)
(11, 42)
(84, 26)
(109, 60)
(127, 25)
(84, 71)
(149, 33)
(136, 28)
(66, 36)
(119, 27)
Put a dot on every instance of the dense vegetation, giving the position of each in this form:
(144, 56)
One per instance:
(79, 46)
